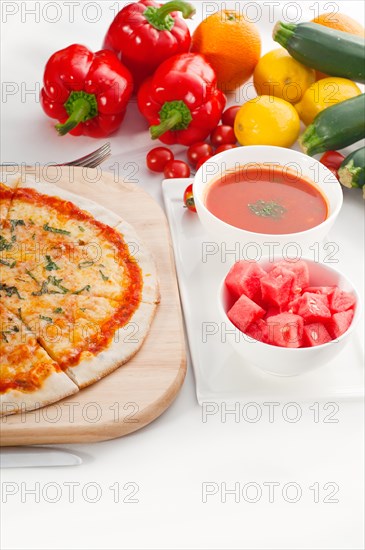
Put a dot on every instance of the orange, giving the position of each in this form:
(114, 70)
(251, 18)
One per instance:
(340, 22)
(231, 44)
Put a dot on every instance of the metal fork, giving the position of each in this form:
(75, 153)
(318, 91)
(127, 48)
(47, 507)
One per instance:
(92, 160)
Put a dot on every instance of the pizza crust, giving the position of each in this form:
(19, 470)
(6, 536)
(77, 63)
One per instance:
(9, 179)
(126, 342)
(54, 388)
(139, 251)
(100, 213)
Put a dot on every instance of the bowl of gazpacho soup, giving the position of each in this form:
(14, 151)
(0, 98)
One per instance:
(264, 193)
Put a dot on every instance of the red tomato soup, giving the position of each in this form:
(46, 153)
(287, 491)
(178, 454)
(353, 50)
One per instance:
(266, 199)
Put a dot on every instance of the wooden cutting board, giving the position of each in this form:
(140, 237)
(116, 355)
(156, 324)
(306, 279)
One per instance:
(139, 391)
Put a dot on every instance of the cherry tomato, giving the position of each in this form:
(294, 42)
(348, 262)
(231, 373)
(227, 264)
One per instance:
(158, 157)
(224, 147)
(202, 161)
(229, 115)
(176, 169)
(332, 160)
(223, 134)
(198, 150)
(189, 198)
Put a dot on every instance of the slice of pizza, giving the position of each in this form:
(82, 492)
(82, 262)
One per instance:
(88, 336)
(51, 259)
(29, 377)
(54, 215)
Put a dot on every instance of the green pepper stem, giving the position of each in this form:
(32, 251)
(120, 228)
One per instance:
(283, 32)
(187, 10)
(161, 19)
(81, 109)
(174, 119)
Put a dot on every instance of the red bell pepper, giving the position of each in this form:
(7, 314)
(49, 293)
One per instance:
(87, 92)
(143, 34)
(181, 101)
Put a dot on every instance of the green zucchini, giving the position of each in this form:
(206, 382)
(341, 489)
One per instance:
(352, 170)
(327, 50)
(335, 127)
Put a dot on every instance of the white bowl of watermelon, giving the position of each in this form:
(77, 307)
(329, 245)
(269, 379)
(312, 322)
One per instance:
(260, 194)
(288, 317)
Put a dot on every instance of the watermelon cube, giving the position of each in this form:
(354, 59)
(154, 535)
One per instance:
(258, 330)
(244, 312)
(327, 290)
(300, 271)
(285, 330)
(276, 287)
(341, 301)
(340, 322)
(313, 307)
(244, 278)
(315, 334)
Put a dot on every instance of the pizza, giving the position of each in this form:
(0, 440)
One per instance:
(78, 292)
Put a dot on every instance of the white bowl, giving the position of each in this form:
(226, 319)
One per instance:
(261, 154)
(290, 361)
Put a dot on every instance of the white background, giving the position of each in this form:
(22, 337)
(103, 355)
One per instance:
(171, 459)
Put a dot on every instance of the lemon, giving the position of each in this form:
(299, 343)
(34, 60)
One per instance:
(280, 75)
(267, 120)
(323, 94)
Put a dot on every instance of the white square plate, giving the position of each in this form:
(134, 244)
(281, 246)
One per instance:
(219, 372)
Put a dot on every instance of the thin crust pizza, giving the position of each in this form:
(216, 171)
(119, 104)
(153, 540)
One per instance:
(78, 292)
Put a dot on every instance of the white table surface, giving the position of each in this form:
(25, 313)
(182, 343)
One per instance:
(173, 459)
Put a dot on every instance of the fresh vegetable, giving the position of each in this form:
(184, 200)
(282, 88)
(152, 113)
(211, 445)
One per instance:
(198, 150)
(176, 169)
(352, 170)
(276, 306)
(335, 127)
(189, 198)
(279, 74)
(87, 92)
(229, 115)
(340, 22)
(202, 161)
(232, 45)
(158, 157)
(324, 93)
(267, 120)
(223, 135)
(181, 101)
(327, 50)
(332, 160)
(224, 147)
(144, 34)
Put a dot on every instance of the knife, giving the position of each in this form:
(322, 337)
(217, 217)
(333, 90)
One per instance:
(36, 457)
